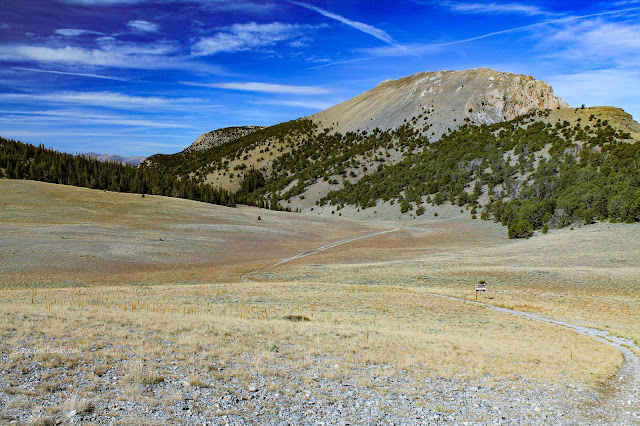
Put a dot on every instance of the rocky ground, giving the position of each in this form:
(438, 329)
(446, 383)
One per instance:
(96, 353)
(167, 395)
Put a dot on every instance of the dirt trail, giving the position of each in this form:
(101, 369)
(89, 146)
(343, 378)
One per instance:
(623, 405)
(245, 277)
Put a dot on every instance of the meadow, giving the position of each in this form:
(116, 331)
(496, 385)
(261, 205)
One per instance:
(128, 309)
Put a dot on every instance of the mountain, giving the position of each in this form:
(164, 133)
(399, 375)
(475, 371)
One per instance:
(220, 136)
(134, 161)
(437, 102)
(499, 146)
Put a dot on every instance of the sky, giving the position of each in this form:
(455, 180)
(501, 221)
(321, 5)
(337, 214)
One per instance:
(138, 77)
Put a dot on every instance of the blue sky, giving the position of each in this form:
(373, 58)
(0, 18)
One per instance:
(137, 77)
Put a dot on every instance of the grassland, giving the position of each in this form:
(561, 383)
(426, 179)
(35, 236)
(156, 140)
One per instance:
(127, 309)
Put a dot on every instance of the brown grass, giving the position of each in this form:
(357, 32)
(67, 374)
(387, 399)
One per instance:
(129, 320)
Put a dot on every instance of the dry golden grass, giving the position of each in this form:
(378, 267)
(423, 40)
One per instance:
(108, 306)
(352, 326)
(58, 235)
(586, 276)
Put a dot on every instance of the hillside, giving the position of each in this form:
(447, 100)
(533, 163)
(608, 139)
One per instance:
(508, 154)
(437, 102)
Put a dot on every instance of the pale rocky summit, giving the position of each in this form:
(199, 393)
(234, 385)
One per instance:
(435, 102)
(220, 136)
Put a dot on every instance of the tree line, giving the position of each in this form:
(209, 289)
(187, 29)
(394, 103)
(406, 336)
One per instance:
(20, 160)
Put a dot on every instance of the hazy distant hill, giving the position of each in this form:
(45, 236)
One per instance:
(134, 161)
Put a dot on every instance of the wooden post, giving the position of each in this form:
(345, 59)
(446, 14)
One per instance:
(480, 287)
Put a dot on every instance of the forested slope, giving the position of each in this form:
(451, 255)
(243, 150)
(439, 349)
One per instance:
(552, 168)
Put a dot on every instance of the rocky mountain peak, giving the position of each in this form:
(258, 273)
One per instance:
(436, 102)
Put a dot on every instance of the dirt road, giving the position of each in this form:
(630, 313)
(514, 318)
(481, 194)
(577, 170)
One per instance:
(245, 277)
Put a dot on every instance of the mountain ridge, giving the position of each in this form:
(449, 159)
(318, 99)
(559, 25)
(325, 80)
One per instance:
(440, 101)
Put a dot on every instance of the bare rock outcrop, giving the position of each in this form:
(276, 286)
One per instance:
(219, 137)
(436, 102)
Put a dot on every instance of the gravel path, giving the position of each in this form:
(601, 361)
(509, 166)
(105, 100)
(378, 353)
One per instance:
(622, 404)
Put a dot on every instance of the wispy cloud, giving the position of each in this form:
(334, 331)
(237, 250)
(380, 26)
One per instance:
(493, 8)
(423, 48)
(73, 32)
(243, 37)
(144, 26)
(111, 53)
(346, 61)
(82, 117)
(595, 40)
(102, 2)
(249, 6)
(263, 88)
(105, 77)
(104, 99)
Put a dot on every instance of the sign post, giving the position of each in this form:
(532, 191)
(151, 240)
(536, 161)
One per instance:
(480, 287)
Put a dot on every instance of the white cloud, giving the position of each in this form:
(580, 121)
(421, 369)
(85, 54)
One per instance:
(494, 8)
(72, 32)
(242, 37)
(104, 99)
(248, 6)
(82, 117)
(430, 47)
(112, 53)
(264, 88)
(111, 44)
(360, 26)
(66, 54)
(101, 2)
(595, 41)
(144, 26)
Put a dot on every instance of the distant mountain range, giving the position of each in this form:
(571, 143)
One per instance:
(134, 161)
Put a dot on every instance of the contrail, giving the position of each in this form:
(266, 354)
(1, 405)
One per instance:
(539, 24)
(491, 34)
(360, 26)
